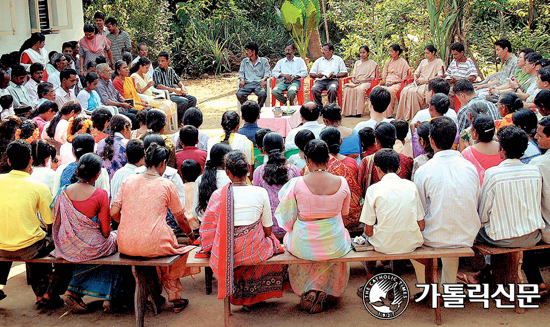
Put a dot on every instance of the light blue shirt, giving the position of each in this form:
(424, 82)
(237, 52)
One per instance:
(296, 66)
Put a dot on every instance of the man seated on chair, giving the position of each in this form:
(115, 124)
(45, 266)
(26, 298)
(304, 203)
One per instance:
(250, 112)
(460, 68)
(327, 70)
(465, 92)
(290, 70)
(253, 75)
(509, 63)
(310, 113)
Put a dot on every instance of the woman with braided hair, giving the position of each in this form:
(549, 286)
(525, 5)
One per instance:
(156, 123)
(100, 119)
(77, 125)
(113, 148)
(230, 124)
(55, 131)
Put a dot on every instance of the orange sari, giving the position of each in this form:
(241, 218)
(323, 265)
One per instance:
(338, 168)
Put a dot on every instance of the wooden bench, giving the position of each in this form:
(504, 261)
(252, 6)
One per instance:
(144, 270)
(506, 265)
(427, 253)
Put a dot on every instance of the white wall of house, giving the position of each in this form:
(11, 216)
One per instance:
(14, 30)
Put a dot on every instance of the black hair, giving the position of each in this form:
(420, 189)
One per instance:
(504, 43)
(545, 74)
(380, 99)
(68, 107)
(291, 44)
(100, 60)
(89, 165)
(332, 112)
(545, 123)
(310, 114)
(387, 160)
(192, 116)
(66, 45)
(542, 100)
(43, 89)
(156, 120)
(230, 121)
(366, 135)
(141, 116)
(8, 127)
(532, 57)
(100, 117)
(77, 125)
(89, 79)
(190, 170)
(443, 132)
(117, 124)
(135, 151)
(484, 126)
(440, 102)
(302, 138)
(6, 101)
(36, 67)
(111, 20)
(142, 61)
(513, 140)
(155, 155)
(543, 63)
(164, 54)
(329, 45)
(464, 86)
(396, 48)
(153, 138)
(90, 64)
(208, 182)
(99, 15)
(366, 48)
(89, 28)
(41, 151)
(252, 46)
(66, 73)
(526, 51)
(19, 154)
(235, 162)
(250, 111)
(431, 48)
(68, 58)
(83, 143)
(118, 65)
(401, 128)
(511, 101)
(527, 120)
(127, 58)
(18, 70)
(35, 38)
(458, 47)
(332, 137)
(317, 151)
(259, 136)
(275, 170)
(27, 129)
(386, 134)
(423, 131)
(44, 108)
(189, 135)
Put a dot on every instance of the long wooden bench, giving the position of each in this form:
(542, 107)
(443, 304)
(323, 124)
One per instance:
(506, 265)
(427, 253)
(144, 270)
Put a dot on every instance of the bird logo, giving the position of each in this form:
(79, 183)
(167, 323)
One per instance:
(386, 296)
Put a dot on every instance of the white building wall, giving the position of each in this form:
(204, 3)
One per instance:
(9, 43)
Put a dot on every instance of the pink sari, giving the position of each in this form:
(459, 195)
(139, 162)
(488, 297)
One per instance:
(98, 44)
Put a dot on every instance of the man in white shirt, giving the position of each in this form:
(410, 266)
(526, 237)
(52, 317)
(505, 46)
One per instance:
(310, 113)
(448, 186)
(65, 92)
(17, 89)
(438, 85)
(37, 74)
(327, 70)
(142, 51)
(290, 70)
(380, 99)
(60, 63)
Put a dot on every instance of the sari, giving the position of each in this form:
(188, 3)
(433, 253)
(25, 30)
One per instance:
(354, 98)
(29, 57)
(368, 176)
(338, 168)
(505, 121)
(316, 240)
(169, 107)
(481, 161)
(230, 247)
(129, 91)
(395, 71)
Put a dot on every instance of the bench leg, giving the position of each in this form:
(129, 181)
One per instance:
(507, 270)
(147, 283)
(431, 277)
(208, 274)
(226, 311)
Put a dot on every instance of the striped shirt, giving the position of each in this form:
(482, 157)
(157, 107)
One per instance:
(460, 70)
(166, 77)
(510, 203)
(119, 42)
(488, 108)
(543, 164)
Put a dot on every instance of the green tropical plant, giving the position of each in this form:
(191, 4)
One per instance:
(300, 18)
(443, 28)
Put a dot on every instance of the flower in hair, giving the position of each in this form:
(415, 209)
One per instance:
(86, 126)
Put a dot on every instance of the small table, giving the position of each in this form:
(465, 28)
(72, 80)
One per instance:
(282, 124)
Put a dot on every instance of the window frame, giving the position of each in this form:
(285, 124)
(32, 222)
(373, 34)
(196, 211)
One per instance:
(13, 25)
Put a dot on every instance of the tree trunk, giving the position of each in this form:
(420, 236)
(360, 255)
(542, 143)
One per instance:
(314, 46)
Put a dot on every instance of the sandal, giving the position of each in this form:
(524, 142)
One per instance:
(466, 279)
(76, 304)
(318, 305)
(308, 299)
(49, 304)
(180, 304)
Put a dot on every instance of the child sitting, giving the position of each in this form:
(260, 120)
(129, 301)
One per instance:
(403, 143)
(301, 139)
(190, 171)
(6, 101)
(259, 144)
(368, 141)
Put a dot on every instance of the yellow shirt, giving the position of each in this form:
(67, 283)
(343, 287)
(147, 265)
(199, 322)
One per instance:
(20, 200)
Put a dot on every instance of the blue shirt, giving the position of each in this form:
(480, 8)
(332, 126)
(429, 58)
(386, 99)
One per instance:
(249, 130)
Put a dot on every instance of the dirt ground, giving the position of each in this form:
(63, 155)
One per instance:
(205, 310)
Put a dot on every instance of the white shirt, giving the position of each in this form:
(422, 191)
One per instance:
(251, 204)
(32, 88)
(511, 200)
(119, 177)
(296, 66)
(221, 180)
(370, 123)
(55, 79)
(60, 131)
(66, 153)
(448, 186)
(323, 66)
(543, 163)
(394, 205)
(20, 95)
(44, 175)
(62, 97)
(313, 126)
(424, 114)
(171, 174)
(149, 72)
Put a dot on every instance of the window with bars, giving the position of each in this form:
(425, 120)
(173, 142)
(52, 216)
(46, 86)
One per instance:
(47, 16)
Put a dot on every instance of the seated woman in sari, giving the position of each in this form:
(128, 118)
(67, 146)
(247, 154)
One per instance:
(355, 92)
(236, 231)
(274, 174)
(485, 153)
(351, 142)
(82, 231)
(141, 206)
(311, 211)
(126, 85)
(346, 167)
